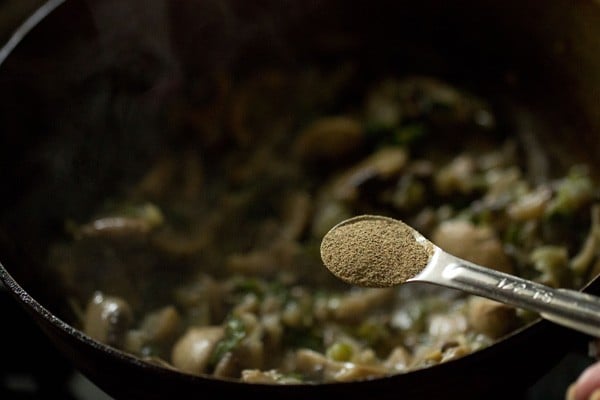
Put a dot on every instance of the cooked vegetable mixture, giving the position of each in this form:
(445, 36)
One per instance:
(210, 263)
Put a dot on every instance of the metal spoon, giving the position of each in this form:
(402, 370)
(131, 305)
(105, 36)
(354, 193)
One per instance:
(576, 310)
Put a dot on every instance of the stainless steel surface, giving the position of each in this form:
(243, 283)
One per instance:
(569, 308)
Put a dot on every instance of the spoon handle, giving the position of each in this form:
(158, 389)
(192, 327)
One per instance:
(576, 310)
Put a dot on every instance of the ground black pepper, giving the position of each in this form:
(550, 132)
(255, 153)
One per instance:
(374, 251)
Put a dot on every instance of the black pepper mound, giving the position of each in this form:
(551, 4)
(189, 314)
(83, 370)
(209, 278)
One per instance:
(374, 251)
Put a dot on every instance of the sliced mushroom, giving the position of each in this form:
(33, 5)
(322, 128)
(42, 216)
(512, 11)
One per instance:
(330, 139)
(317, 365)
(264, 261)
(399, 359)
(591, 247)
(193, 350)
(456, 177)
(143, 219)
(267, 377)
(530, 206)
(490, 317)
(478, 244)
(382, 164)
(107, 319)
(161, 325)
(357, 304)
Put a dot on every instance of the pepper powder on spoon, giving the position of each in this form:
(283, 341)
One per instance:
(375, 251)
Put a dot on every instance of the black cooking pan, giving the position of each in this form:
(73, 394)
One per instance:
(64, 144)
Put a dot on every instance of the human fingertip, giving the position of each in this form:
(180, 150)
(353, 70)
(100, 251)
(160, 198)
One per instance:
(570, 395)
(595, 395)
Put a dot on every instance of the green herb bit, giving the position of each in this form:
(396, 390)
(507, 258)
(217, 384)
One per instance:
(572, 192)
(340, 351)
(372, 332)
(409, 134)
(235, 331)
